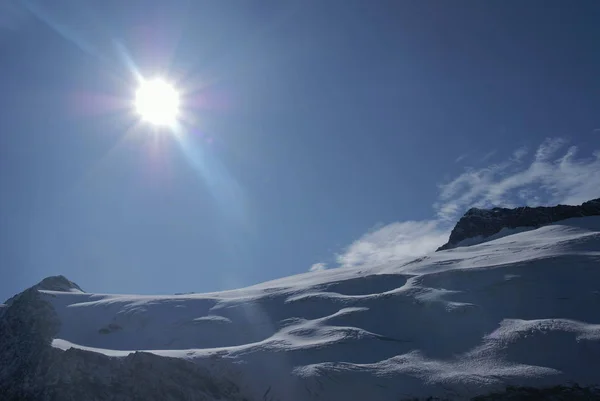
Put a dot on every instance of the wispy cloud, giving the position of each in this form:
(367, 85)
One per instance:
(318, 267)
(548, 148)
(461, 158)
(394, 242)
(520, 153)
(487, 156)
(551, 175)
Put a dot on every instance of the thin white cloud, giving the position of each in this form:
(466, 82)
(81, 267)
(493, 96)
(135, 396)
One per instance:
(520, 153)
(488, 156)
(395, 242)
(460, 158)
(318, 267)
(548, 177)
(548, 148)
(551, 177)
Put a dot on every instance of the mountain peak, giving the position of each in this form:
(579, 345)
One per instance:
(483, 223)
(58, 283)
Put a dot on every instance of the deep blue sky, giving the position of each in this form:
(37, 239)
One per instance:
(310, 122)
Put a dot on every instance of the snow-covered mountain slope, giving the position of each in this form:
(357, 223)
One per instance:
(523, 309)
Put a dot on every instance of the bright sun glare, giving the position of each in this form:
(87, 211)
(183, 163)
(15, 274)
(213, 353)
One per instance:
(157, 102)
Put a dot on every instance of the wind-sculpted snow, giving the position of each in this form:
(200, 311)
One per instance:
(519, 310)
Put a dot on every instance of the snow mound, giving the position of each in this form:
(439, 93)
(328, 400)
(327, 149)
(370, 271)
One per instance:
(521, 310)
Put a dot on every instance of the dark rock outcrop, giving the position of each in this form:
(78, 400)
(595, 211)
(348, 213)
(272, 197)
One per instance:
(57, 283)
(31, 369)
(486, 222)
(52, 283)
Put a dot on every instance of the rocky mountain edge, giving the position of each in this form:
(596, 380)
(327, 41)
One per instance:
(484, 223)
(32, 370)
(53, 283)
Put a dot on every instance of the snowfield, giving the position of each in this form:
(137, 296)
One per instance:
(521, 309)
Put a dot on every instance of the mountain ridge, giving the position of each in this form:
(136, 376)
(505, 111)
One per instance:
(484, 223)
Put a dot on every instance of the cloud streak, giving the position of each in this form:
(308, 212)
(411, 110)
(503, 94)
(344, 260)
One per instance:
(460, 158)
(550, 177)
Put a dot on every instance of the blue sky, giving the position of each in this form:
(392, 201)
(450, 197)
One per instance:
(317, 134)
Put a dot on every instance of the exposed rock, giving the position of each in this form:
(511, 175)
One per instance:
(486, 222)
(58, 283)
(52, 283)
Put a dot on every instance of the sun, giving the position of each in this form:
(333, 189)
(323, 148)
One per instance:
(157, 102)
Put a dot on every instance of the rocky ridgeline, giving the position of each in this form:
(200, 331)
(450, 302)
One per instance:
(486, 222)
